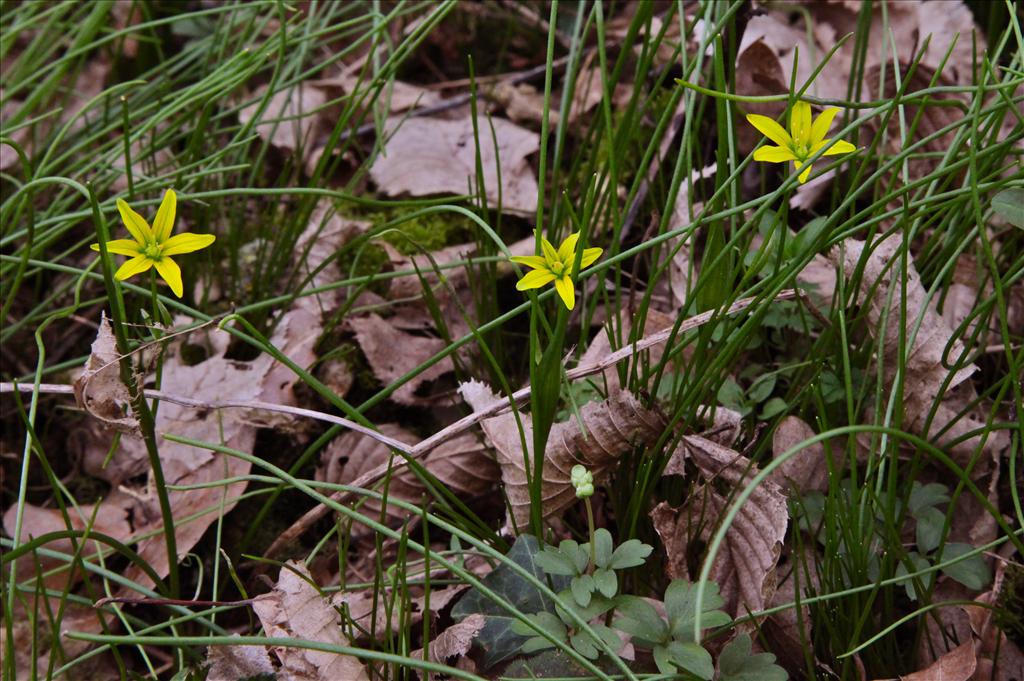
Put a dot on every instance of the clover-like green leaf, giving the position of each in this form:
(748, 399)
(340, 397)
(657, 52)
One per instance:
(930, 522)
(926, 496)
(582, 588)
(554, 562)
(737, 664)
(691, 657)
(639, 619)
(1009, 204)
(681, 606)
(546, 621)
(587, 646)
(602, 547)
(972, 572)
(578, 554)
(629, 554)
(606, 582)
(598, 605)
(919, 563)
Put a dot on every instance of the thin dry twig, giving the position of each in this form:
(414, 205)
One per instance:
(300, 526)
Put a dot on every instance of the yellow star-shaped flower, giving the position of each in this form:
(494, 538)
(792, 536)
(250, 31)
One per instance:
(152, 247)
(556, 266)
(803, 140)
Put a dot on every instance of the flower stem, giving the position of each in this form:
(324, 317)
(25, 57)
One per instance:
(590, 528)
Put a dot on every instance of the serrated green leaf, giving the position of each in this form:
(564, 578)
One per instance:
(1009, 204)
(639, 619)
(606, 582)
(692, 658)
(972, 572)
(555, 562)
(496, 638)
(582, 588)
(737, 664)
(630, 554)
(681, 606)
(926, 496)
(930, 522)
(602, 547)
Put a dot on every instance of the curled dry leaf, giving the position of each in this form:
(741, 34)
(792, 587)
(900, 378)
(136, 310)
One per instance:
(455, 641)
(928, 350)
(745, 565)
(805, 471)
(234, 662)
(956, 665)
(462, 464)
(99, 389)
(295, 609)
(392, 353)
(433, 156)
(609, 428)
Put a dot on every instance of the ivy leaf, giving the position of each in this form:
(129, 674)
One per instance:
(972, 572)
(606, 582)
(629, 554)
(1009, 204)
(692, 658)
(926, 496)
(496, 639)
(681, 606)
(930, 522)
(602, 547)
(639, 619)
(737, 664)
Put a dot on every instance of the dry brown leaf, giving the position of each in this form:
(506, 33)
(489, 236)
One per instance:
(758, 73)
(521, 102)
(956, 665)
(397, 96)
(611, 427)
(325, 234)
(601, 347)
(434, 156)
(925, 376)
(392, 353)
(234, 662)
(99, 389)
(745, 565)
(454, 641)
(805, 471)
(294, 609)
(291, 119)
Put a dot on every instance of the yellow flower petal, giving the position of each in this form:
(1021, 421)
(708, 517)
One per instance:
(589, 256)
(132, 267)
(121, 247)
(171, 273)
(806, 171)
(800, 123)
(163, 223)
(565, 289)
(136, 224)
(567, 251)
(535, 279)
(774, 154)
(770, 129)
(821, 125)
(839, 147)
(549, 252)
(534, 261)
(186, 242)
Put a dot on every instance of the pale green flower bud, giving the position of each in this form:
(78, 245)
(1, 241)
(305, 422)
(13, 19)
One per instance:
(582, 480)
